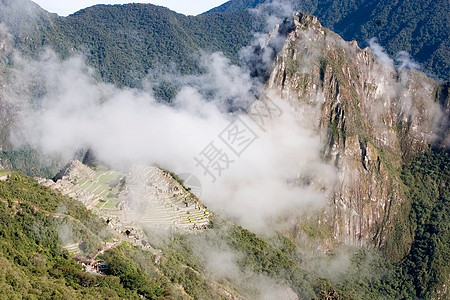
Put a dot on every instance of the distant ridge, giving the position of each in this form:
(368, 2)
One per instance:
(417, 27)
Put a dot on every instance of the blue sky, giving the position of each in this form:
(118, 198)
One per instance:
(66, 7)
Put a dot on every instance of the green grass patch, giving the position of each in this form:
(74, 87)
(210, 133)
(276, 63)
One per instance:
(111, 204)
(110, 179)
(4, 172)
(95, 187)
(100, 203)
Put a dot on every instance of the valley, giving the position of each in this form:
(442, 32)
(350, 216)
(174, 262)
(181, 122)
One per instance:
(343, 194)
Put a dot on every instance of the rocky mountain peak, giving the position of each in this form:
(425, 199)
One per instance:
(304, 20)
(372, 117)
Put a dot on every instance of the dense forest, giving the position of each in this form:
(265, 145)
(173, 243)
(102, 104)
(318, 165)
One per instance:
(417, 27)
(126, 42)
(426, 265)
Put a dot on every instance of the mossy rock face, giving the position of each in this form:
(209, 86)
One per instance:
(362, 109)
(372, 139)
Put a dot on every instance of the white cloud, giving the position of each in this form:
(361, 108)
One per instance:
(404, 61)
(379, 52)
(125, 127)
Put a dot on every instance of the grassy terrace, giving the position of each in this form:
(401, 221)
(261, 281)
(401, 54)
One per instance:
(107, 203)
(4, 172)
(103, 184)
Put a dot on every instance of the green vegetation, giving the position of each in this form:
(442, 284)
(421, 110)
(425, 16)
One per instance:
(369, 275)
(424, 246)
(34, 221)
(111, 204)
(421, 237)
(425, 220)
(318, 230)
(136, 271)
(34, 224)
(125, 43)
(185, 268)
(418, 27)
(236, 5)
(426, 265)
(35, 264)
(262, 257)
(29, 161)
(104, 183)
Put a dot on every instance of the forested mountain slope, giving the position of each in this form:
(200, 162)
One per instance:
(140, 37)
(37, 223)
(418, 27)
(126, 42)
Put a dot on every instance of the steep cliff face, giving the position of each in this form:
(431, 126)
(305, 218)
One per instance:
(6, 111)
(372, 116)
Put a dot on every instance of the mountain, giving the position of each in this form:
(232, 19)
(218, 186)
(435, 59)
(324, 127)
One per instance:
(139, 40)
(417, 27)
(52, 246)
(232, 6)
(146, 41)
(371, 114)
(41, 230)
(130, 40)
(382, 233)
(376, 119)
(36, 225)
(126, 42)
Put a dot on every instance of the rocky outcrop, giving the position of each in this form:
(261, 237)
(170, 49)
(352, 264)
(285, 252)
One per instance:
(7, 112)
(73, 171)
(371, 116)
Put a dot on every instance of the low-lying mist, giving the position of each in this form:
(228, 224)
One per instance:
(63, 109)
(249, 167)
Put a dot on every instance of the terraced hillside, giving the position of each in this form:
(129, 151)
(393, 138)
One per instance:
(154, 198)
(45, 238)
(145, 197)
(94, 188)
